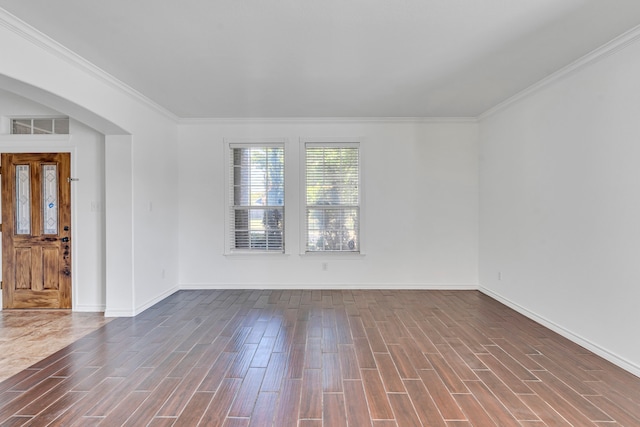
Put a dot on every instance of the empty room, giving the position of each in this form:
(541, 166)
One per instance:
(339, 213)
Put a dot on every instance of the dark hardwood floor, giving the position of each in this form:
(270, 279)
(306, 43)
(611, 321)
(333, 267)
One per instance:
(314, 358)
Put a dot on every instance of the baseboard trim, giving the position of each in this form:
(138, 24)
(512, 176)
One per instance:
(143, 307)
(155, 300)
(89, 308)
(589, 345)
(315, 286)
(119, 313)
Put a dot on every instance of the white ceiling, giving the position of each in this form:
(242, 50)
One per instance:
(329, 58)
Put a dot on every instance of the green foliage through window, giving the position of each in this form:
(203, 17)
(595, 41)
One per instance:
(332, 197)
(257, 196)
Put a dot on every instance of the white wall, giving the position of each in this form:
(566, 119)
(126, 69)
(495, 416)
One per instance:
(155, 206)
(38, 68)
(425, 172)
(89, 234)
(559, 215)
(87, 151)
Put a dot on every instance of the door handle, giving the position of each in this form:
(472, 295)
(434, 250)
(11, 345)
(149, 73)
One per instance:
(64, 239)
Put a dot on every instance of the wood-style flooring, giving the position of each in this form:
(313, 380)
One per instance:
(322, 358)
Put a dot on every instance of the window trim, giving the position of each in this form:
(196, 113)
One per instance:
(302, 208)
(228, 145)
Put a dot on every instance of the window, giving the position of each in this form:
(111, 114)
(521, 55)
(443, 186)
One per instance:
(332, 193)
(40, 126)
(256, 198)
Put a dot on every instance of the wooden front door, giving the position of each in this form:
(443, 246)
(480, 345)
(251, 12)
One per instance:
(36, 236)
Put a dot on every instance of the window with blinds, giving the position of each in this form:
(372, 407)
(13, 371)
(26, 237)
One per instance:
(332, 191)
(256, 197)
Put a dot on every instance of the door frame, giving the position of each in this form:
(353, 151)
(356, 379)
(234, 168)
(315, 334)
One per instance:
(50, 144)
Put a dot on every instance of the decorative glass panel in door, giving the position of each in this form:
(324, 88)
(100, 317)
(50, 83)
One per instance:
(23, 199)
(50, 199)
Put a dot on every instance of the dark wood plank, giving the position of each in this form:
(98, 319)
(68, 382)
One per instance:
(333, 410)
(356, 403)
(543, 410)
(348, 362)
(403, 363)
(289, 403)
(147, 409)
(441, 396)
(311, 404)
(49, 414)
(364, 354)
(509, 399)
(196, 407)
(404, 410)
(90, 399)
(560, 405)
(389, 373)
(496, 410)
(331, 373)
(376, 395)
(474, 410)
(513, 382)
(311, 358)
(426, 408)
(218, 408)
(246, 398)
(264, 409)
(448, 375)
(14, 406)
(218, 371)
(126, 408)
(573, 397)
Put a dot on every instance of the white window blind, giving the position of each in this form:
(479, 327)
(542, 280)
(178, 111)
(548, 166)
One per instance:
(332, 197)
(256, 197)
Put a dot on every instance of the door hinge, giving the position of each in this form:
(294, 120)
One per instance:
(0, 284)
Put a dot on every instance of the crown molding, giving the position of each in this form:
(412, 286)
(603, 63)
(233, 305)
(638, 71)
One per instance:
(322, 120)
(610, 48)
(51, 46)
(46, 43)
